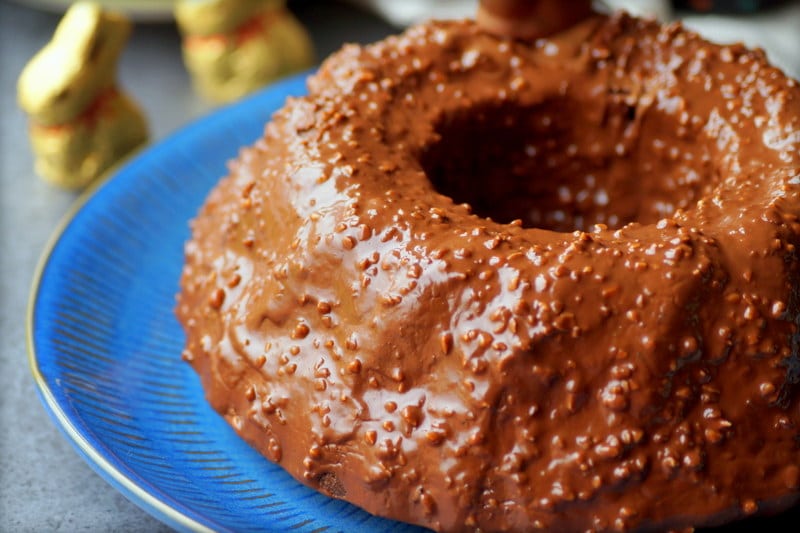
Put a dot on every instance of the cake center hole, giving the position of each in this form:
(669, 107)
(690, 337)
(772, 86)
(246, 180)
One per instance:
(564, 165)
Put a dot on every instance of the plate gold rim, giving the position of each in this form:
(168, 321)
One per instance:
(64, 421)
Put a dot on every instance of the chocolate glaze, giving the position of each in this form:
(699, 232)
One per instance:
(615, 348)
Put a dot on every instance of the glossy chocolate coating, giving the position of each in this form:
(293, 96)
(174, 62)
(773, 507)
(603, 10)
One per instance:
(616, 347)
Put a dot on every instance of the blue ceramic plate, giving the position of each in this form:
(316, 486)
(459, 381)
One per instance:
(105, 347)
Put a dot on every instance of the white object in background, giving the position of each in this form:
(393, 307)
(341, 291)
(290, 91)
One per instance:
(659, 9)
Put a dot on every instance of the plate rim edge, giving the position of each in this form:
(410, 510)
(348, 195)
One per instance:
(132, 490)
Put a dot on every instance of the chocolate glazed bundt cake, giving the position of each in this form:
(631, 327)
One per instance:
(482, 283)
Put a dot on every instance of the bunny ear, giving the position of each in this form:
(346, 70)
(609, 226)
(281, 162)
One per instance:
(77, 32)
(94, 36)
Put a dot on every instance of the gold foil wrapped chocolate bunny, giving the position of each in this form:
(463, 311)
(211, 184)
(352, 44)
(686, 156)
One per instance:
(233, 47)
(81, 123)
